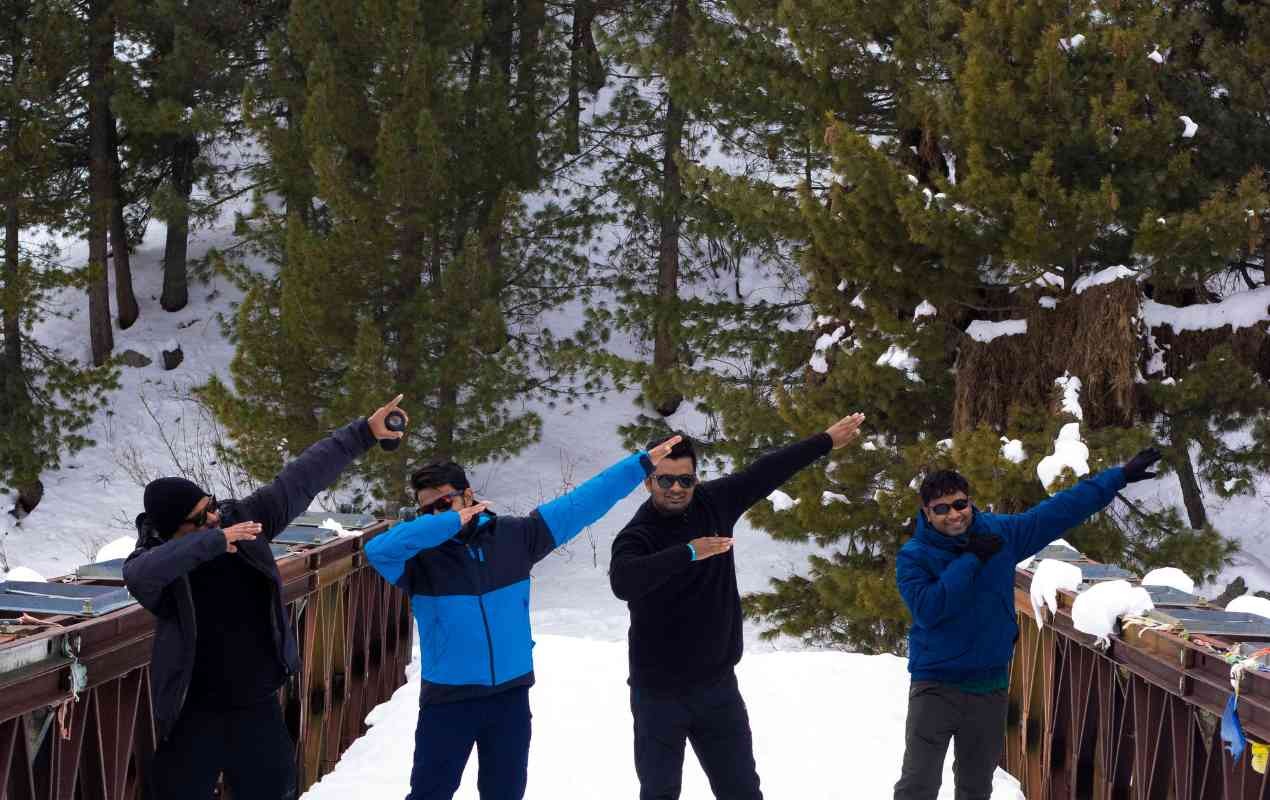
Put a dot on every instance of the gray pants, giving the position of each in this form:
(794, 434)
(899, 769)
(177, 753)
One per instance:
(938, 712)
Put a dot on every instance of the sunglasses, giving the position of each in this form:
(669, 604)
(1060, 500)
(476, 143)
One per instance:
(961, 504)
(442, 503)
(200, 519)
(667, 481)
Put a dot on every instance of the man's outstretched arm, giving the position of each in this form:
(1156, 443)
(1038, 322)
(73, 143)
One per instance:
(554, 523)
(289, 495)
(735, 493)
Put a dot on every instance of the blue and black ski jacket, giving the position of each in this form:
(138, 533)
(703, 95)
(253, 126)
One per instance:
(470, 588)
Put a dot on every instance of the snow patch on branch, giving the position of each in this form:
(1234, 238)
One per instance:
(1102, 277)
(1242, 310)
(985, 331)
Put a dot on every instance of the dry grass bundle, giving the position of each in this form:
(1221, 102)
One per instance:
(1091, 336)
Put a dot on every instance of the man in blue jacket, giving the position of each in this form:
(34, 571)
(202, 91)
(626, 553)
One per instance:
(467, 572)
(956, 576)
(222, 643)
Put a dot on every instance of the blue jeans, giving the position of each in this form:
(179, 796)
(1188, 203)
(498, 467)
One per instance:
(499, 727)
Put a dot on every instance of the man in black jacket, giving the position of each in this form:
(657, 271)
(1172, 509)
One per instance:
(222, 644)
(673, 565)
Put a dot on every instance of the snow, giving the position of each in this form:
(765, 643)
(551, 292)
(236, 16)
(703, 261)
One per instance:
(1170, 576)
(1048, 302)
(985, 331)
(333, 525)
(1240, 310)
(1097, 608)
(781, 501)
(119, 548)
(1189, 127)
(1156, 56)
(24, 574)
(806, 710)
(924, 309)
(858, 301)
(899, 358)
(1012, 450)
(1047, 578)
(827, 498)
(1072, 43)
(830, 339)
(818, 363)
(1250, 604)
(1069, 452)
(1102, 277)
(1070, 386)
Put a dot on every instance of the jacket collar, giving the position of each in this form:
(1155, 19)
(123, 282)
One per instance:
(927, 534)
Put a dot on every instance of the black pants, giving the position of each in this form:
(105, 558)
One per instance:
(976, 724)
(713, 718)
(250, 745)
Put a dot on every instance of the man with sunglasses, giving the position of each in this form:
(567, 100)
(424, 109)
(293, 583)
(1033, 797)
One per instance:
(467, 572)
(673, 565)
(956, 576)
(222, 643)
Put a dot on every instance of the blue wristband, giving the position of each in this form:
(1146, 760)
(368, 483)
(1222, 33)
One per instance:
(692, 550)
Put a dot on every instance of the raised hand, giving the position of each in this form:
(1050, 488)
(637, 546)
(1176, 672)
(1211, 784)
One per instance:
(846, 430)
(466, 515)
(240, 532)
(659, 453)
(377, 421)
(1136, 468)
(707, 546)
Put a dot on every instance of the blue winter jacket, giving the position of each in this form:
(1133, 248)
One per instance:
(963, 612)
(470, 588)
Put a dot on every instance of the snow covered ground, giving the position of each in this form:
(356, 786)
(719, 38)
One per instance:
(826, 725)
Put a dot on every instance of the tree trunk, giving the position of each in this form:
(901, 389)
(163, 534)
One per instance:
(125, 298)
(102, 32)
(664, 397)
(1192, 496)
(176, 289)
(533, 15)
(583, 60)
(11, 382)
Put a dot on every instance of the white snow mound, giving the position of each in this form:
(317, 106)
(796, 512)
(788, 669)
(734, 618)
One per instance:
(24, 574)
(1170, 576)
(1250, 604)
(119, 548)
(1069, 451)
(1048, 577)
(1097, 608)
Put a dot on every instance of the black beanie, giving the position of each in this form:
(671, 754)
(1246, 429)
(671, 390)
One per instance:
(169, 501)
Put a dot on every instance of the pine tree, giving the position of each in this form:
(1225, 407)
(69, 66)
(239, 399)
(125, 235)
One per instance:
(405, 137)
(1037, 145)
(46, 399)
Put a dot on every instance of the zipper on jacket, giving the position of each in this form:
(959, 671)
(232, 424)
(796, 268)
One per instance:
(479, 557)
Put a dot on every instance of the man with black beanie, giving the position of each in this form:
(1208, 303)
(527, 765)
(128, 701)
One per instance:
(222, 643)
(673, 565)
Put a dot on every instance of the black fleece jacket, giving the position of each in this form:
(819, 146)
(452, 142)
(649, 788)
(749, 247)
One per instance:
(686, 615)
(158, 573)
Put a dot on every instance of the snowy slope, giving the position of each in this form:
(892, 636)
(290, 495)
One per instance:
(826, 725)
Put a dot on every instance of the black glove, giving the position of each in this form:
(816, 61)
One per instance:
(984, 545)
(1135, 469)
